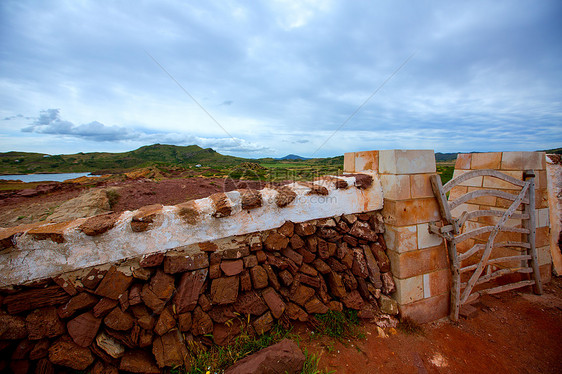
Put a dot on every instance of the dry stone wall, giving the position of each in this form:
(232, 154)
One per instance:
(145, 314)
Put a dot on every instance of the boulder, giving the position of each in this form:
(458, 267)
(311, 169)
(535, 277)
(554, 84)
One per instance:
(283, 357)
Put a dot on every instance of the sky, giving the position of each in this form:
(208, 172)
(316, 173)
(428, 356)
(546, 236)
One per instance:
(269, 78)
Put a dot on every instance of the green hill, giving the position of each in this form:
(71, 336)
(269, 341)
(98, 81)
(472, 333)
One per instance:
(97, 162)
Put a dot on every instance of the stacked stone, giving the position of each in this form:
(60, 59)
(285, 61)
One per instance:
(147, 317)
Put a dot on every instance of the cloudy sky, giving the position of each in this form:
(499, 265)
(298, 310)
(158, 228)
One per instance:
(268, 78)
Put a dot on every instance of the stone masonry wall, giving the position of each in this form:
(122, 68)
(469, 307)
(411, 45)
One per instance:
(146, 314)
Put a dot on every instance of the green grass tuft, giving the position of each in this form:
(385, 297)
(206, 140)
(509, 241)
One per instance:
(339, 325)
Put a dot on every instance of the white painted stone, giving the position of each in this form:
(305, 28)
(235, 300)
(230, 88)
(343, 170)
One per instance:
(34, 259)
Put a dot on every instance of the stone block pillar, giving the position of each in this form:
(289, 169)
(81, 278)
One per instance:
(418, 259)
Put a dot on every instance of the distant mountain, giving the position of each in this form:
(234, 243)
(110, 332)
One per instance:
(293, 157)
(553, 151)
(444, 157)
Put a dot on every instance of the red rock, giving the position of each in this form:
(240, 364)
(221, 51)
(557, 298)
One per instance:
(272, 277)
(250, 303)
(44, 323)
(231, 268)
(162, 285)
(259, 277)
(138, 361)
(277, 261)
(184, 322)
(263, 323)
(251, 199)
(255, 242)
(276, 241)
(295, 312)
(301, 294)
(119, 320)
(204, 302)
(135, 294)
(285, 196)
(144, 318)
(104, 306)
(66, 285)
(145, 338)
(359, 267)
(342, 227)
(83, 328)
(363, 289)
(362, 230)
(327, 233)
(151, 260)
(221, 205)
(294, 256)
(335, 306)
(321, 266)
(323, 250)
(215, 271)
(202, 323)
(250, 261)
(347, 260)
(353, 300)
(308, 280)
(382, 259)
(274, 302)
(179, 262)
(245, 281)
(286, 278)
(208, 246)
(312, 243)
(315, 306)
(40, 349)
(224, 334)
(22, 349)
(44, 366)
(81, 301)
(235, 252)
(296, 242)
(169, 350)
(335, 265)
(99, 224)
(65, 352)
(188, 212)
(151, 300)
(350, 240)
(93, 278)
(113, 284)
(377, 223)
(222, 313)
(283, 357)
(165, 323)
(287, 229)
(307, 256)
(388, 285)
(110, 345)
(34, 299)
(101, 368)
(349, 281)
(305, 228)
(373, 267)
(54, 232)
(124, 337)
(363, 216)
(335, 285)
(261, 256)
(224, 290)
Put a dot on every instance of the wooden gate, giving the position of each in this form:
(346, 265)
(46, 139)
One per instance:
(487, 267)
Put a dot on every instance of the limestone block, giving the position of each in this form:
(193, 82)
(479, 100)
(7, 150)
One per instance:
(395, 187)
(408, 290)
(490, 160)
(543, 254)
(406, 161)
(463, 161)
(426, 310)
(368, 160)
(472, 182)
(409, 264)
(436, 283)
(409, 212)
(523, 161)
(349, 162)
(401, 239)
(425, 239)
(420, 186)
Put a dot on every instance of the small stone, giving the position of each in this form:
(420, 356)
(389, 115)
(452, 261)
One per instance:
(145, 338)
(138, 361)
(308, 280)
(118, 320)
(335, 265)
(40, 349)
(372, 266)
(208, 247)
(184, 322)
(259, 277)
(272, 277)
(274, 302)
(261, 256)
(321, 266)
(221, 205)
(377, 223)
(110, 345)
(114, 283)
(231, 268)
(65, 352)
(224, 290)
(359, 267)
(81, 301)
(286, 278)
(335, 306)
(151, 260)
(353, 300)
(323, 250)
(215, 271)
(204, 303)
(188, 212)
(250, 261)
(250, 303)
(144, 318)
(245, 281)
(382, 259)
(251, 199)
(305, 228)
(308, 270)
(294, 256)
(151, 300)
(162, 285)
(283, 357)
(189, 289)
(335, 284)
(307, 256)
(165, 323)
(83, 329)
(66, 285)
(143, 274)
(44, 323)
(295, 312)
(224, 334)
(263, 324)
(349, 282)
(388, 305)
(315, 306)
(362, 230)
(180, 262)
(170, 350)
(388, 285)
(222, 313)
(350, 240)
(312, 244)
(350, 219)
(276, 241)
(236, 252)
(285, 196)
(202, 323)
(34, 299)
(135, 294)
(44, 366)
(104, 306)
(22, 349)
(301, 294)
(296, 242)
(287, 229)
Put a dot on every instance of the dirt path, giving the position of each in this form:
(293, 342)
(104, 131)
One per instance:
(514, 332)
